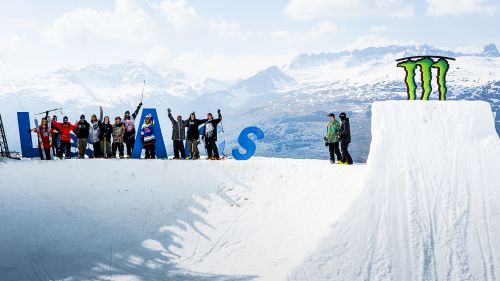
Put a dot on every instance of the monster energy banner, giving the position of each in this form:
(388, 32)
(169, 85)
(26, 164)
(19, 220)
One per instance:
(425, 64)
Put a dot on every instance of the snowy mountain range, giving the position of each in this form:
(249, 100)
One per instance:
(288, 102)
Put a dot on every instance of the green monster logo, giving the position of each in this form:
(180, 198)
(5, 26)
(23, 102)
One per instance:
(425, 63)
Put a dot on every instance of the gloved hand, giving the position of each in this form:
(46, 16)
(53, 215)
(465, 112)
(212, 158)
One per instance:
(326, 144)
(218, 111)
(325, 139)
(140, 104)
(168, 110)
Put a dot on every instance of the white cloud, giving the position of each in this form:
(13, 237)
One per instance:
(158, 57)
(12, 42)
(221, 66)
(130, 21)
(459, 7)
(339, 9)
(229, 29)
(378, 28)
(374, 40)
(320, 30)
(86, 26)
(179, 13)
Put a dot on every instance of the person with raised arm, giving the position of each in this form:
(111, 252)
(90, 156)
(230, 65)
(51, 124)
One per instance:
(129, 124)
(193, 135)
(210, 136)
(178, 134)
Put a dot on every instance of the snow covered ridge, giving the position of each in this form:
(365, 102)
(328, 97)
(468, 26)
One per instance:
(424, 207)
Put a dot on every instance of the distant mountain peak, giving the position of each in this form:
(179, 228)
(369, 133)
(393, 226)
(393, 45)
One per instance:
(491, 51)
(266, 80)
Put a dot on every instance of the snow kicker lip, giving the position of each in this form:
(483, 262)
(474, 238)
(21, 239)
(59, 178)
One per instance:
(425, 63)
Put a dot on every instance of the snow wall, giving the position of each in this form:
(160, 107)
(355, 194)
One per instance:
(430, 207)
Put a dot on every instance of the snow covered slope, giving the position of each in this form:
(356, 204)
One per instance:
(424, 207)
(166, 220)
(430, 208)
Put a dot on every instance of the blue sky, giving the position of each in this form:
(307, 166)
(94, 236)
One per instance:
(228, 39)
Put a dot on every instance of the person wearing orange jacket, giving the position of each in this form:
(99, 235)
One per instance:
(64, 130)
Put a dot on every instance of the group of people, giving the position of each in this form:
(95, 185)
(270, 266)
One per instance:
(108, 139)
(338, 132)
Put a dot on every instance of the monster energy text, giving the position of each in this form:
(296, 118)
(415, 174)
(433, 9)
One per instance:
(425, 63)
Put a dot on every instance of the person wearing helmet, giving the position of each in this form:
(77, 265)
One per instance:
(345, 139)
(82, 135)
(148, 137)
(64, 129)
(55, 137)
(118, 134)
(332, 138)
(178, 134)
(210, 136)
(129, 124)
(95, 134)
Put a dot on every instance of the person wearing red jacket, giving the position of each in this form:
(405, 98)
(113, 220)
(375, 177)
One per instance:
(43, 133)
(64, 130)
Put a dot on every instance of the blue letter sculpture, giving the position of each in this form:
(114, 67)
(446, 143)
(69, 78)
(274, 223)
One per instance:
(23, 122)
(161, 152)
(247, 143)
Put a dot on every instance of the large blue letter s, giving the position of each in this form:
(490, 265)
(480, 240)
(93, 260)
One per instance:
(247, 143)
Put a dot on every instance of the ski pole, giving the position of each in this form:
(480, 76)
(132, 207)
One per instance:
(142, 95)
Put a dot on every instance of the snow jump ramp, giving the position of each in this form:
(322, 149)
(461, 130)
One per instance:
(430, 208)
(424, 207)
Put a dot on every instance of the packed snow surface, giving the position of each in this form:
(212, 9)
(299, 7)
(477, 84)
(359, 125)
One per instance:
(430, 207)
(424, 207)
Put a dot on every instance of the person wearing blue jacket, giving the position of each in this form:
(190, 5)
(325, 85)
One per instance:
(148, 137)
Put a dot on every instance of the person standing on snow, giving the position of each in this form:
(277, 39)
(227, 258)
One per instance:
(64, 129)
(193, 135)
(210, 135)
(332, 138)
(106, 131)
(43, 132)
(129, 124)
(118, 133)
(345, 139)
(178, 134)
(148, 137)
(54, 137)
(95, 133)
(82, 135)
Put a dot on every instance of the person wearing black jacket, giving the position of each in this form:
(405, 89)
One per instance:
(106, 130)
(178, 134)
(129, 124)
(54, 137)
(82, 134)
(210, 136)
(345, 139)
(193, 135)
